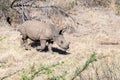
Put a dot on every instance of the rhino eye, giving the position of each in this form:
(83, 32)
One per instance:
(61, 42)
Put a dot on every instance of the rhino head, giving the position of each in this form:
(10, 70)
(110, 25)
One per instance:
(60, 40)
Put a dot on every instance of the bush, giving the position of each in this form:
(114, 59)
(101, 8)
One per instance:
(6, 12)
(95, 3)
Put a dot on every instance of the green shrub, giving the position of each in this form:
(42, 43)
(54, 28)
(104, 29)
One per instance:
(96, 3)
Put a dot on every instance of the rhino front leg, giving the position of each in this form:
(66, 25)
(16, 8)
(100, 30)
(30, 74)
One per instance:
(27, 46)
(22, 43)
(50, 43)
(42, 45)
(50, 47)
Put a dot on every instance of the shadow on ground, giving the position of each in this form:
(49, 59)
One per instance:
(34, 44)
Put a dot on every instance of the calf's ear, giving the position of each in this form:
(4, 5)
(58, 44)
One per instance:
(61, 31)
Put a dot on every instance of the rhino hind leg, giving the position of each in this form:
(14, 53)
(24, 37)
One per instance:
(42, 45)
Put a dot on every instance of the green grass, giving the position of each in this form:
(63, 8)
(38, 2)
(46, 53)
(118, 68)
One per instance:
(109, 71)
(90, 60)
(72, 4)
(47, 70)
(60, 77)
(79, 69)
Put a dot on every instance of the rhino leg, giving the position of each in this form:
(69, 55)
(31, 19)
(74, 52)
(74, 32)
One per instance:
(50, 43)
(27, 46)
(22, 43)
(50, 48)
(42, 45)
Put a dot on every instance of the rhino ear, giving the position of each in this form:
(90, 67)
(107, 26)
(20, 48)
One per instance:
(61, 31)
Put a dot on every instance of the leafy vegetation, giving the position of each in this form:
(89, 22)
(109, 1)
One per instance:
(79, 70)
(61, 77)
(41, 70)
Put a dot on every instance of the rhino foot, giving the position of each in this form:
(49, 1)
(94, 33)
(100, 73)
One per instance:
(39, 48)
(28, 48)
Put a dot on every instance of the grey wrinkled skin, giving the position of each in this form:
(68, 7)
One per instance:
(45, 33)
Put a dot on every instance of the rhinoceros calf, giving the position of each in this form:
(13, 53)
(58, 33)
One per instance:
(45, 33)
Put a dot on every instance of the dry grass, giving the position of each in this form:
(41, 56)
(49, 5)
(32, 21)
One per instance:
(95, 26)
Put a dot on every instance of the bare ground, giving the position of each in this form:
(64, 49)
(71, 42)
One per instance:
(98, 32)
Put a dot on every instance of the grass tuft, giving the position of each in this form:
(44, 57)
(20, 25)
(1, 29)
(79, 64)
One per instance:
(41, 70)
(61, 77)
(78, 70)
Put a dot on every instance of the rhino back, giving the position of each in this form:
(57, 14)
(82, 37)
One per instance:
(37, 30)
